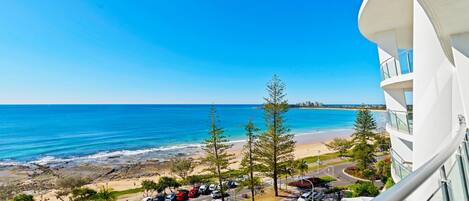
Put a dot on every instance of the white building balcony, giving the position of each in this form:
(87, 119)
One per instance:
(401, 121)
(400, 168)
(398, 72)
(393, 67)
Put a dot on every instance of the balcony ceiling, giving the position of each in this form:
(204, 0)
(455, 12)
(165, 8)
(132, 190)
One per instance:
(377, 16)
(448, 17)
(404, 82)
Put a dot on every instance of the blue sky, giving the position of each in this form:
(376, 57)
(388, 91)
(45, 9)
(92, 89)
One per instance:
(171, 51)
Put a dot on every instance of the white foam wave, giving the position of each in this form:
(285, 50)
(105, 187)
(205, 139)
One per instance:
(335, 130)
(105, 155)
(47, 160)
(9, 163)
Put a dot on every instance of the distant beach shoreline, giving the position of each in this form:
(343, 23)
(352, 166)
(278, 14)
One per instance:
(338, 108)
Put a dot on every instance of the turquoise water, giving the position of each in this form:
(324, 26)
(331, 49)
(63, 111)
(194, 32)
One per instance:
(63, 133)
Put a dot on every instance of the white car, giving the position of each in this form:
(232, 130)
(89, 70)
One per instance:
(216, 194)
(212, 187)
(203, 189)
(306, 196)
(318, 195)
(226, 199)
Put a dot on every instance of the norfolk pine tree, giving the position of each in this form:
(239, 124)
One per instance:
(275, 146)
(216, 148)
(363, 137)
(248, 160)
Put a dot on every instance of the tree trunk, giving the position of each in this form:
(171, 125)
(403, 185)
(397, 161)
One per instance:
(219, 172)
(251, 169)
(275, 176)
(286, 183)
(275, 182)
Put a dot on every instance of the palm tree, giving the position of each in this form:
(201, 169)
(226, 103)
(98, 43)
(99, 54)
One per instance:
(105, 194)
(288, 169)
(302, 166)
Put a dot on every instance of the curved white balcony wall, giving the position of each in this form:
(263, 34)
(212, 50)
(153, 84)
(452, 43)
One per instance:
(404, 81)
(387, 23)
(461, 58)
(403, 146)
(432, 89)
(395, 99)
(449, 18)
(433, 97)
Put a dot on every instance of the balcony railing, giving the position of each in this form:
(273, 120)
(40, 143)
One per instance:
(401, 121)
(401, 167)
(450, 164)
(394, 67)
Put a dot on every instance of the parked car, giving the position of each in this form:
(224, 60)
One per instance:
(217, 194)
(170, 197)
(147, 199)
(159, 197)
(203, 190)
(231, 184)
(182, 195)
(219, 199)
(318, 195)
(194, 192)
(306, 196)
(212, 187)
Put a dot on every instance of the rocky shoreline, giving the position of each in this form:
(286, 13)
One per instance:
(34, 178)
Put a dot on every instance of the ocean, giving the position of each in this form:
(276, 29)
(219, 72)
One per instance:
(57, 134)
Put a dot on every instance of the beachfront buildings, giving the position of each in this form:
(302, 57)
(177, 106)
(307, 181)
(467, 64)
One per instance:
(423, 51)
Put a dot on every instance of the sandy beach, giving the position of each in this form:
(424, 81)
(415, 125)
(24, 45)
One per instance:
(129, 177)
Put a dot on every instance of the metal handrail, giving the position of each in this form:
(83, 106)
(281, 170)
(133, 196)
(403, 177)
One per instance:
(403, 161)
(407, 185)
(386, 60)
(400, 167)
(398, 66)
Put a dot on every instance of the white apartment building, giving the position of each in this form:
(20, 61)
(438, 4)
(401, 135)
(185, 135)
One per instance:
(423, 51)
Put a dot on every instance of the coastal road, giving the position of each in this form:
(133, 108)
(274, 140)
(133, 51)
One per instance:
(337, 171)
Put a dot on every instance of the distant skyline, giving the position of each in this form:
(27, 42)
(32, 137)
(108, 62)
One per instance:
(184, 52)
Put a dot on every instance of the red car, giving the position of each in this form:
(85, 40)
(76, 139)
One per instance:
(182, 195)
(194, 192)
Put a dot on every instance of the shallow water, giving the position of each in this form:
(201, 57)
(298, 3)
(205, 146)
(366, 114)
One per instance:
(64, 133)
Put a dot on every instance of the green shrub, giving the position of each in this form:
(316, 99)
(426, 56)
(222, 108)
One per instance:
(389, 183)
(327, 178)
(7, 191)
(104, 194)
(364, 189)
(348, 194)
(197, 179)
(332, 190)
(126, 192)
(23, 197)
(82, 194)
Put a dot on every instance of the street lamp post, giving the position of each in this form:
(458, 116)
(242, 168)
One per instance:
(319, 162)
(312, 185)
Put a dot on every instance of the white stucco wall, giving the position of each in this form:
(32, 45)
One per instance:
(460, 49)
(432, 90)
(433, 97)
